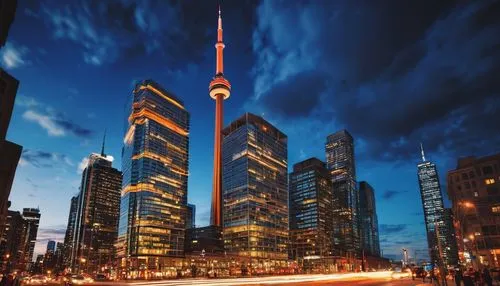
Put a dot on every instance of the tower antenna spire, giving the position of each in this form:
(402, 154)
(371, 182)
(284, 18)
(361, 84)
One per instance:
(422, 152)
(103, 143)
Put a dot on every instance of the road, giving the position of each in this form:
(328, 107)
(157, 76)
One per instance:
(368, 279)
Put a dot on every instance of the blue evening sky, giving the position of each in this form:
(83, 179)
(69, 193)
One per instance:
(393, 74)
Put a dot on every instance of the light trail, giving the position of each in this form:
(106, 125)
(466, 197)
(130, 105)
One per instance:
(267, 280)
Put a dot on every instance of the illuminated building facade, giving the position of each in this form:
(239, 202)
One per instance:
(12, 242)
(451, 249)
(368, 220)
(340, 163)
(96, 223)
(219, 90)
(311, 221)
(191, 216)
(155, 177)
(70, 231)
(32, 220)
(474, 190)
(255, 189)
(432, 202)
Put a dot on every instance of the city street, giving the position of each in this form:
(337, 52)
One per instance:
(375, 278)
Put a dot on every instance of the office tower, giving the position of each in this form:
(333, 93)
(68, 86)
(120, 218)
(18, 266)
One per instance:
(12, 242)
(432, 202)
(311, 221)
(219, 90)
(206, 239)
(11, 152)
(59, 257)
(340, 162)
(155, 177)
(369, 221)
(70, 231)
(7, 15)
(191, 216)
(474, 190)
(451, 249)
(51, 246)
(96, 223)
(32, 220)
(255, 189)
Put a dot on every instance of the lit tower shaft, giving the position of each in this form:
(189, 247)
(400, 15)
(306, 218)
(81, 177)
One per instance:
(219, 89)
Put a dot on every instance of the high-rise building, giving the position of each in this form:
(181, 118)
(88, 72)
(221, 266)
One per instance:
(51, 246)
(12, 242)
(191, 216)
(96, 223)
(50, 258)
(311, 221)
(7, 15)
(255, 189)
(340, 162)
(70, 231)
(32, 220)
(11, 152)
(59, 257)
(451, 249)
(474, 190)
(207, 239)
(432, 203)
(219, 90)
(368, 220)
(155, 177)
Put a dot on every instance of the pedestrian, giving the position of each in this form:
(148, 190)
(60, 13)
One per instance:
(458, 277)
(468, 281)
(487, 277)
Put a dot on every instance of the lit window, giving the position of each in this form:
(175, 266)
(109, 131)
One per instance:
(489, 181)
(495, 209)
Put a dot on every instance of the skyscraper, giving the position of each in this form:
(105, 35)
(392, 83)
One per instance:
(451, 249)
(369, 221)
(219, 90)
(340, 162)
(7, 15)
(432, 202)
(255, 189)
(311, 221)
(51, 246)
(32, 219)
(191, 216)
(96, 222)
(155, 177)
(12, 242)
(70, 233)
(474, 190)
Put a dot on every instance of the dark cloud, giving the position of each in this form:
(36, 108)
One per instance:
(43, 159)
(392, 228)
(389, 194)
(74, 128)
(51, 233)
(431, 78)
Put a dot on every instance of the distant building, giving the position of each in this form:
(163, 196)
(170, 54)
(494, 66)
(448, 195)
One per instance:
(32, 219)
(432, 203)
(11, 152)
(206, 239)
(368, 220)
(339, 149)
(451, 249)
(59, 257)
(51, 246)
(155, 162)
(191, 216)
(474, 190)
(70, 231)
(255, 189)
(7, 15)
(96, 223)
(12, 243)
(311, 221)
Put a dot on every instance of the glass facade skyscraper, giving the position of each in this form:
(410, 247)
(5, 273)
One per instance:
(32, 219)
(96, 222)
(340, 162)
(368, 220)
(311, 220)
(155, 177)
(432, 202)
(255, 189)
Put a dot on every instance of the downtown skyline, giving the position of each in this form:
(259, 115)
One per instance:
(54, 132)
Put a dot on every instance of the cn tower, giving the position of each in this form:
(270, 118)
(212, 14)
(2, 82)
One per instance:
(219, 89)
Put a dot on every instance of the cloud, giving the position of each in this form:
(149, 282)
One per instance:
(56, 124)
(392, 228)
(434, 80)
(26, 101)
(13, 56)
(44, 159)
(390, 194)
(45, 121)
(83, 164)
